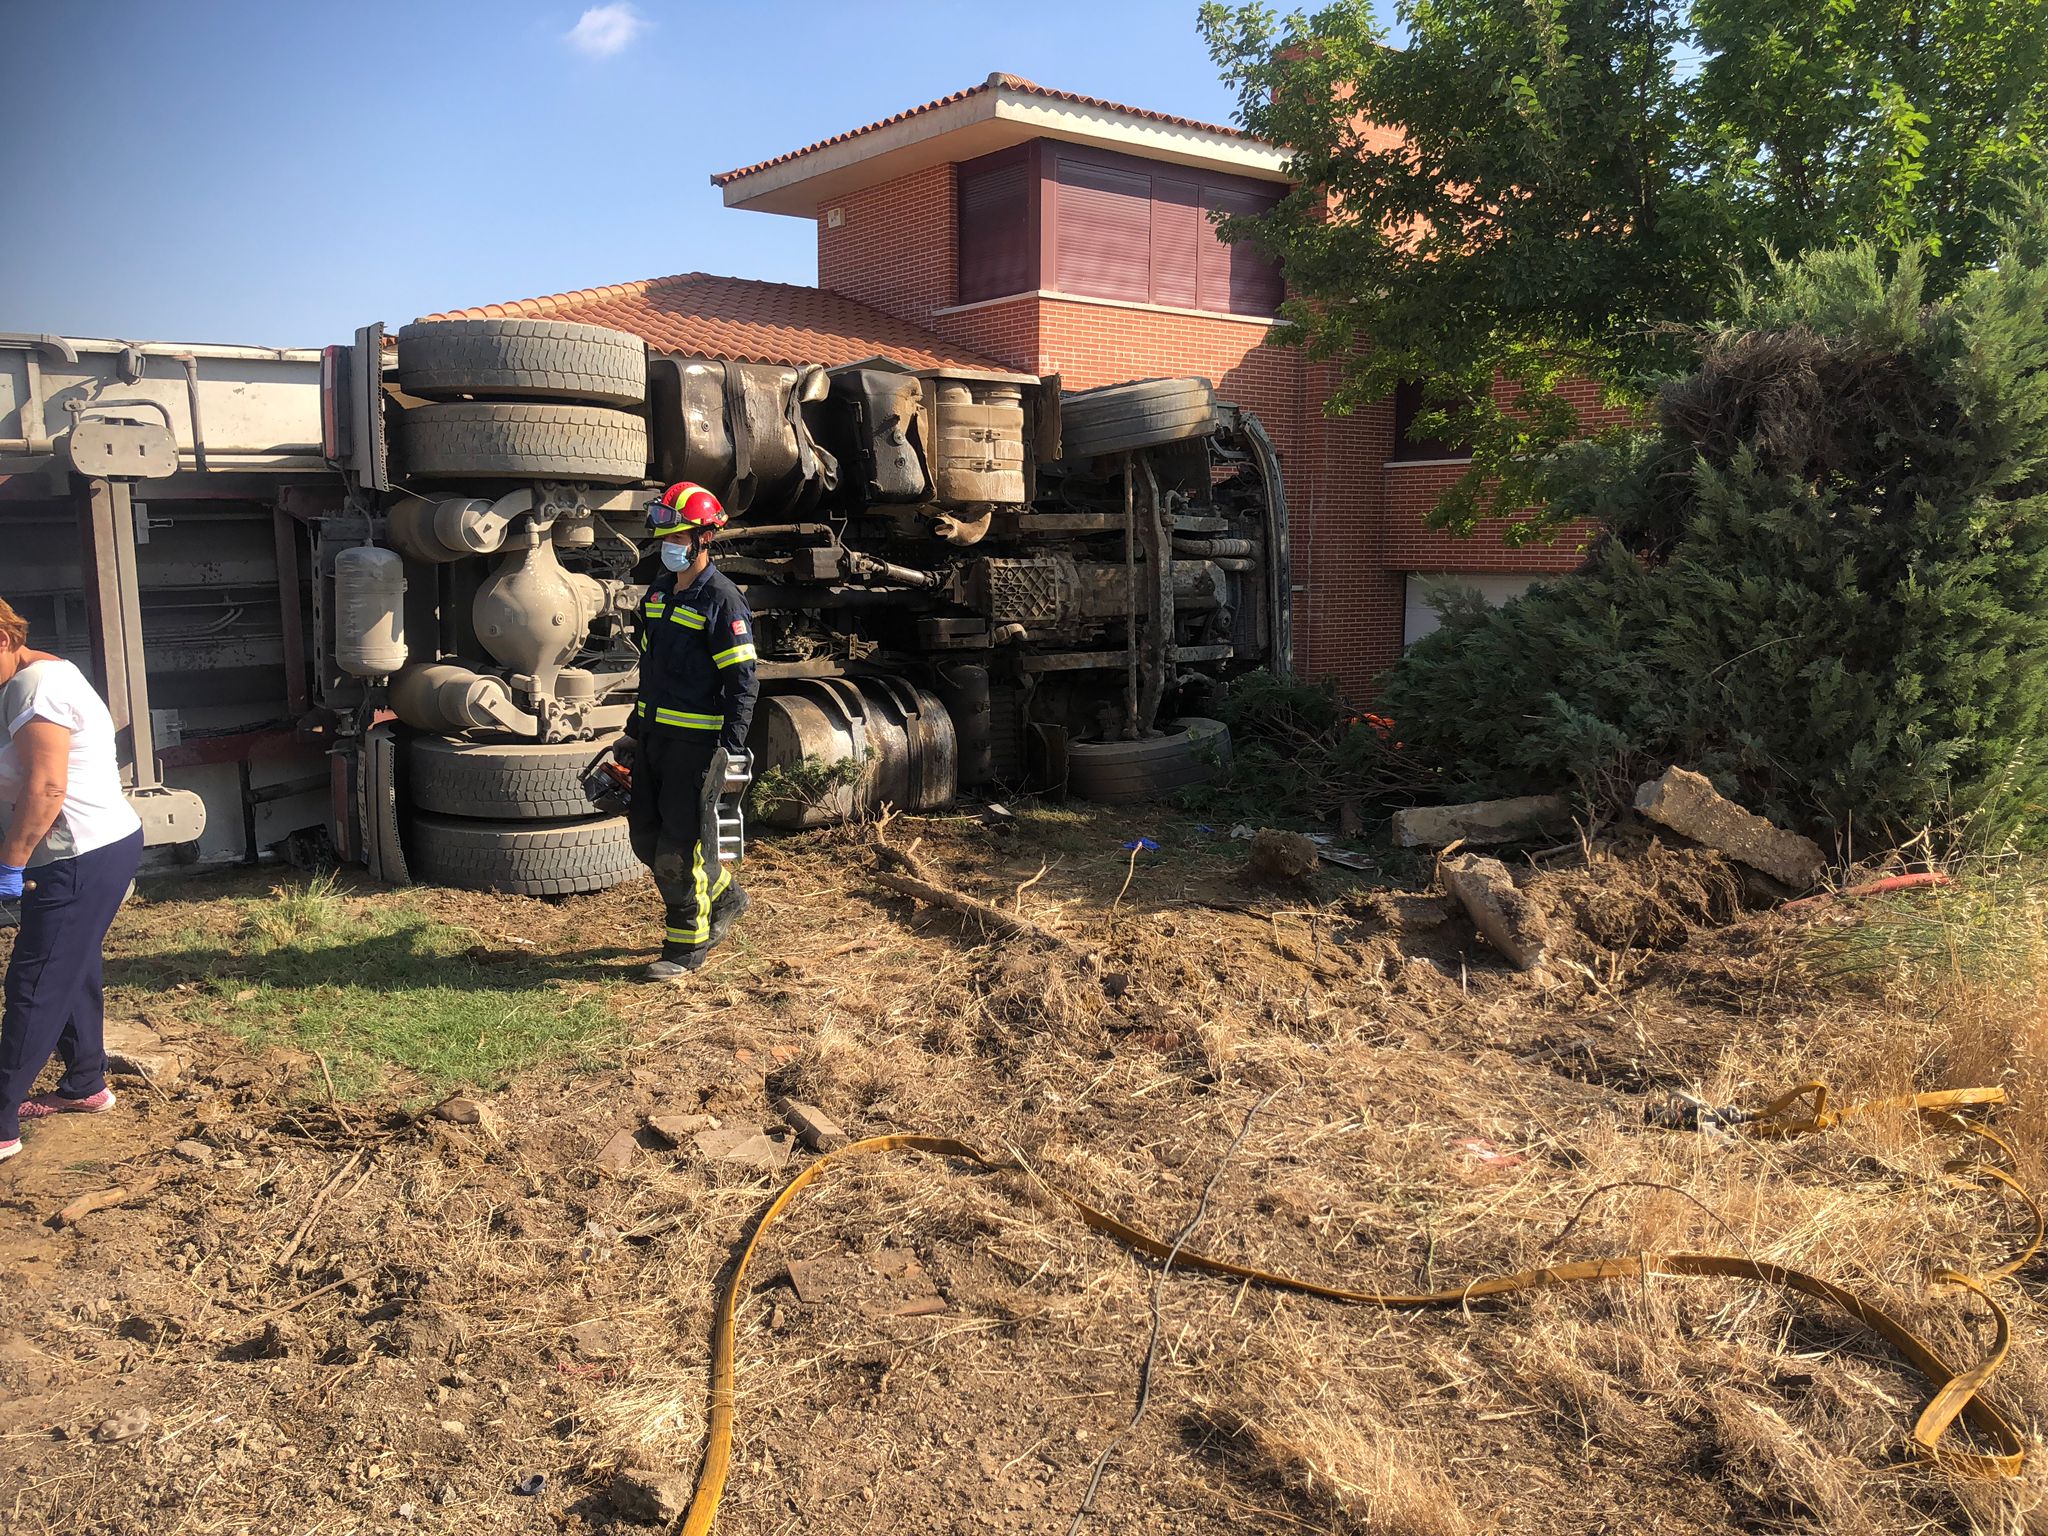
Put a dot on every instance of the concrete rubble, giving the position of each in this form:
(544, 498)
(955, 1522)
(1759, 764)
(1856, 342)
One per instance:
(1482, 823)
(677, 1129)
(618, 1155)
(816, 1129)
(1509, 920)
(647, 1497)
(136, 1050)
(1689, 805)
(743, 1146)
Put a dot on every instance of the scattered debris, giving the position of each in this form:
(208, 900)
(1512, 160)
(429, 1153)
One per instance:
(105, 1199)
(891, 1282)
(193, 1152)
(128, 1424)
(1350, 820)
(647, 1497)
(1487, 1152)
(742, 1146)
(593, 1340)
(618, 1155)
(902, 873)
(459, 1110)
(1284, 857)
(136, 1050)
(1511, 922)
(817, 1130)
(530, 1485)
(676, 1129)
(1344, 858)
(1481, 823)
(1689, 805)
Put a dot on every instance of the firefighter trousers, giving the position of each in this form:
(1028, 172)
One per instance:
(665, 818)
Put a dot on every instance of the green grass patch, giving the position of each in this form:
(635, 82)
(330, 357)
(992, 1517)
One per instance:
(390, 996)
(1989, 927)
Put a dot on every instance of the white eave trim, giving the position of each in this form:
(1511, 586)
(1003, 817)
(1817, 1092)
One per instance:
(981, 124)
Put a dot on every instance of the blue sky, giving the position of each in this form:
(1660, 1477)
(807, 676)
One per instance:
(280, 173)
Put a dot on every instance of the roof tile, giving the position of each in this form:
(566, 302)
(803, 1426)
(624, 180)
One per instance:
(997, 81)
(699, 315)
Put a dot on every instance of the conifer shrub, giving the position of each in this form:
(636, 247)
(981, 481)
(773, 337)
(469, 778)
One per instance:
(1823, 578)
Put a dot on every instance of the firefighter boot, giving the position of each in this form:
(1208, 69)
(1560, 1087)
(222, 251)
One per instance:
(678, 961)
(730, 907)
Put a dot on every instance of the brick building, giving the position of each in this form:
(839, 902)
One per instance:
(1015, 226)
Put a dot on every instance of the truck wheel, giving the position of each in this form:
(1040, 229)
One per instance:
(500, 780)
(523, 360)
(1192, 751)
(468, 438)
(1124, 417)
(530, 858)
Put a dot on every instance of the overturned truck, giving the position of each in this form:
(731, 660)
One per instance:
(961, 579)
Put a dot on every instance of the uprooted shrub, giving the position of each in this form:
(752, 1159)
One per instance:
(1297, 750)
(1823, 580)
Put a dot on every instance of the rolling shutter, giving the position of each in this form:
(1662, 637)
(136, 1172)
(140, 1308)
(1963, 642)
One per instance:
(1105, 230)
(1177, 235)
(1234, 279)
(997, 254)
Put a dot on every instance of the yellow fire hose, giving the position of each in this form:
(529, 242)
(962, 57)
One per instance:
(1802, 1110)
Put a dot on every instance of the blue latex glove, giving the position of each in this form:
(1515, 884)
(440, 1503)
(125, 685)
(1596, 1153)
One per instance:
(10, 882)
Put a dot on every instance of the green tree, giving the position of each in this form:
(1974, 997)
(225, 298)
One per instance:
(1528, 191)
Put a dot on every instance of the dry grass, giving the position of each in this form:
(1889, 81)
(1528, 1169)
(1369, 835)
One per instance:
(1426, 1130)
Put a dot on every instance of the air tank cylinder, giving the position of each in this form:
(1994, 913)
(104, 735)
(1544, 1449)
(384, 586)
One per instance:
(369, 611)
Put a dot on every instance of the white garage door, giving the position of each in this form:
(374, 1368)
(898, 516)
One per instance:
(1419, 618)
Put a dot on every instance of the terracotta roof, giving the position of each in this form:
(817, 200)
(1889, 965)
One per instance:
(737, 318)
(996, 81)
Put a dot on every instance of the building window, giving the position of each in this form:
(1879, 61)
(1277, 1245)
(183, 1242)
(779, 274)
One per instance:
(1109, 226)
(1425, 589)
(1410, 446)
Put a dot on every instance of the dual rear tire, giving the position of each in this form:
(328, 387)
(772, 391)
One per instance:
(511, 816)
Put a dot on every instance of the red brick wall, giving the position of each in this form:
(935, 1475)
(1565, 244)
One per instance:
(895, 247)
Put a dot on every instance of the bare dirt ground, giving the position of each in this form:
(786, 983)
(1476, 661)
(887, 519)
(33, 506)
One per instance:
(348, 1316)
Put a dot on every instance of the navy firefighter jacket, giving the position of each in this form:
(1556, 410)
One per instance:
(696, 659)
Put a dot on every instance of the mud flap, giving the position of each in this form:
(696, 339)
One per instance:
(377, 806)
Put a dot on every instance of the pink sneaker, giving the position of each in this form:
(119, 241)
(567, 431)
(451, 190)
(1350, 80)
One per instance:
(9, 1148)
(56, 1104)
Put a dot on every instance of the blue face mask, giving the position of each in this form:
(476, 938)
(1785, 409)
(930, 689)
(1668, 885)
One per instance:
(677, 557)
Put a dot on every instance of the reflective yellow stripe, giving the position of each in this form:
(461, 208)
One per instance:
(688, 721)
(652, 607)
(689, 618)
(702, 932)
(736, 655)
(724, 880)
(679, 936)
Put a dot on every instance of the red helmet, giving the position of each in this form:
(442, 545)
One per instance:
(684, 506)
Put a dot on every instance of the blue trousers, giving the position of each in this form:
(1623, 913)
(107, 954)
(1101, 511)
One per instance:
(54, 1005)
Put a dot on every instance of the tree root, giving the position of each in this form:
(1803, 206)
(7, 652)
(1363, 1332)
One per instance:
(900, 870)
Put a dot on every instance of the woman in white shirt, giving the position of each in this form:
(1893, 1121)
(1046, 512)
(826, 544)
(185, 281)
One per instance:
(69, 847)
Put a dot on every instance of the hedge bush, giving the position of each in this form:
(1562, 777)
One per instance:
(1823, 578)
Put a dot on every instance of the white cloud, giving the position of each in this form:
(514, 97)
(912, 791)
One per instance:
(604, 30)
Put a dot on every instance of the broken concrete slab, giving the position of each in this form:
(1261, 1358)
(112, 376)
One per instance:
(817, 1130)
(1482, 823)
(742, 1146)
(1689, 805)
(136, 1050)
(647, 1497)
(1509, 920)
(618, 1155)
(677, 1129)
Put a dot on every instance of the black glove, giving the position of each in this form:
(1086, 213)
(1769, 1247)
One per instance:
(624, 750)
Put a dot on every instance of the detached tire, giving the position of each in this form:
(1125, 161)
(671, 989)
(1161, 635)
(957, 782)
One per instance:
(468, 438)
(499, 780)
(1125, 417)
(1190, 752)
(532, 858)
(522, 359)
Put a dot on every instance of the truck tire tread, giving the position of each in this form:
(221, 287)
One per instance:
(522, 359)
(465, 438)
(530, 858)
(506, 781)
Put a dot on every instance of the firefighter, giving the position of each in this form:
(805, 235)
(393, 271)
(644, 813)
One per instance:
(697, 690)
